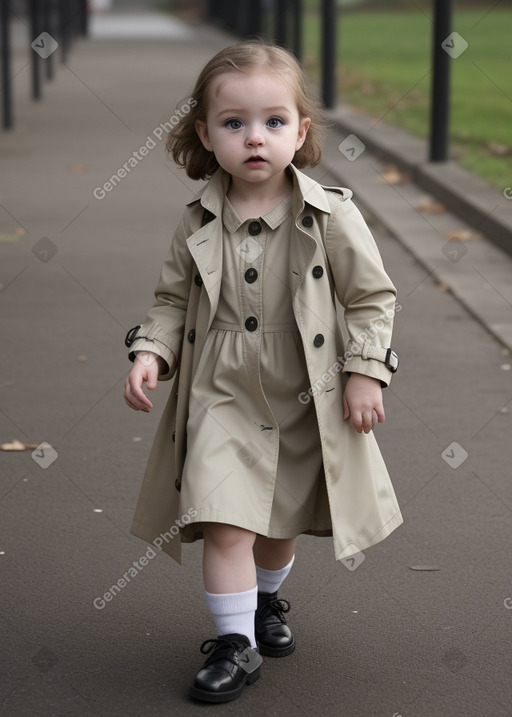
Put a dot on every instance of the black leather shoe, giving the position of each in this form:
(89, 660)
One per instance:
(231, 664)
(272, 633)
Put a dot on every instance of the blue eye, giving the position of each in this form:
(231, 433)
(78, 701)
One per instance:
(234, 124)
(275, 122)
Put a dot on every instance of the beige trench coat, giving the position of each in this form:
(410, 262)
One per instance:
(329, 232)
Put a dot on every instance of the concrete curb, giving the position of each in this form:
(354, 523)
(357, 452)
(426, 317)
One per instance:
(474, 201)
(476, 271)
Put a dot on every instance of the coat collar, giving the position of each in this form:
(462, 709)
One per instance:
(305, 191)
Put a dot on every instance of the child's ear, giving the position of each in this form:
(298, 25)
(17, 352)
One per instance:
(304, 125)
(202, 131)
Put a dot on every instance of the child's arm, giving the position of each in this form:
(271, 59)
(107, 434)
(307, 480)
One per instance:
(162, 331)
(368, 298)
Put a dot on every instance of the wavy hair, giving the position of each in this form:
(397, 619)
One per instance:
(183, 141)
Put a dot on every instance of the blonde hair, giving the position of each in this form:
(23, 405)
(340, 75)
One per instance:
(183, 141)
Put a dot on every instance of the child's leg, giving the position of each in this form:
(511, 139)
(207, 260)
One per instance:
(230, 578)
(274, 560)
(228, 560)
(232, 596)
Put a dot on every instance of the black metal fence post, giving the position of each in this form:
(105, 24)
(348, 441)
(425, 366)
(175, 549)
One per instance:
(35, 60)
(281, 26)
(440, 91)
(5, 16)
(298, 9)
(329, 53)
(255, 18)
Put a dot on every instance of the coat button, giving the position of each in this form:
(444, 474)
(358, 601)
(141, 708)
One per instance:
(197, 280)
(254, 228)
(251, 324)
(251, 275)
(318, 272)
(177, 485)
(191, 336)
(318, 340)
(307, 221)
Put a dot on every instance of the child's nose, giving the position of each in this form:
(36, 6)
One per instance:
(254, 137)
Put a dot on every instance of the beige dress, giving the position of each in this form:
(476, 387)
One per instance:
(275, 455)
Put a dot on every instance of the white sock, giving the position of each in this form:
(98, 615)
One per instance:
(234, 612)
(269, 581)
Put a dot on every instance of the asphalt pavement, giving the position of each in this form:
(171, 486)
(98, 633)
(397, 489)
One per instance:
(420, 627)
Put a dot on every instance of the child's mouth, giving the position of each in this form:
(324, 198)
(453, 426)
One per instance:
(254, 161)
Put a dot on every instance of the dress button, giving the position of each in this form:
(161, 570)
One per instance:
(318, 340)
(191, 336)
(251, 275)
(251, 324)
(177, 485)
(318, 272)
(254, 228)
(307, 221)
(197, 280)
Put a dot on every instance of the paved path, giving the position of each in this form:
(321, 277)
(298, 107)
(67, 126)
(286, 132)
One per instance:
(75, 273)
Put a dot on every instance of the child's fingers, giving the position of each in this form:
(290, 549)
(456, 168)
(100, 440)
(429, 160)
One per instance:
(134, 395)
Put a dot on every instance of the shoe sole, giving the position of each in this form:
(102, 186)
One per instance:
(206, 696)
(275, 651)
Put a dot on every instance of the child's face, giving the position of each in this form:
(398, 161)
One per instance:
(252, 124)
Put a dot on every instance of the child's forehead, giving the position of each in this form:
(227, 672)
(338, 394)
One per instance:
(261, 79)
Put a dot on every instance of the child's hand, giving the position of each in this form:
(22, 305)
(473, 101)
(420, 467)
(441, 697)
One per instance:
(362, 399)
(146, 367)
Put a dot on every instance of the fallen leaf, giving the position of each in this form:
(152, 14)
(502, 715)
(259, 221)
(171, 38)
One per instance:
(463, 234)
(499, 150)
(432, 207)
(81, 358)
(16, 445)
(392, 175)
(425, 568)
(441, 286)
(78, 168)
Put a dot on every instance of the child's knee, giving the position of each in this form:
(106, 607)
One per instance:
(225, 537)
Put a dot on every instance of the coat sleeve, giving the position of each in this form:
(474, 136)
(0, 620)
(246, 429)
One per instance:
(362, 287)
(163, 327)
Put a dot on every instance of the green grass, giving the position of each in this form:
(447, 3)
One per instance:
(384, 68)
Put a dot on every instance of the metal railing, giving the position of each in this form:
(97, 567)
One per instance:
(52, 27)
